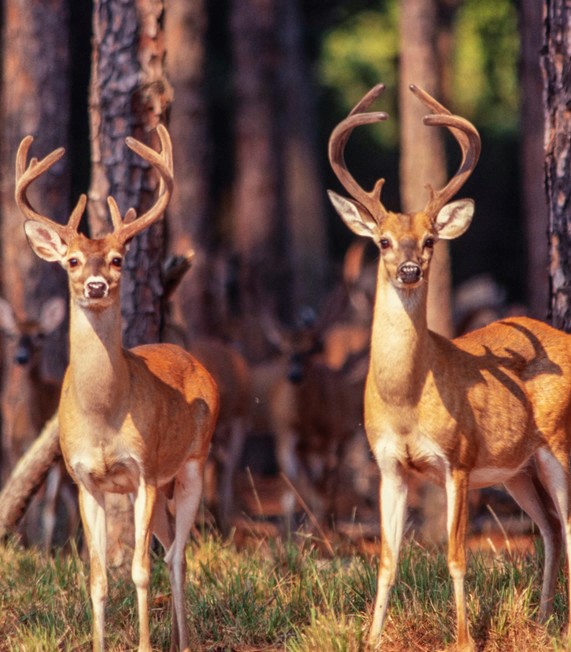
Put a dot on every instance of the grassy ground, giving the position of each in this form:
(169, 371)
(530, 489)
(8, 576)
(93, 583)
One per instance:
(279, 596)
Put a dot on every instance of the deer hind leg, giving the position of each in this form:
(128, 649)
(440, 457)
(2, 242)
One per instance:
(393, 494)
(187, 494)
(92, 507)
(554, 474)
(235, 446)
(527, 490)
(457, 521)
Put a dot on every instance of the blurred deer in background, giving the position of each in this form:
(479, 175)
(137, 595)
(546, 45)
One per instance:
(490, 407)
(135, 421)
(314, 413)
(29, 399)
(232, 375)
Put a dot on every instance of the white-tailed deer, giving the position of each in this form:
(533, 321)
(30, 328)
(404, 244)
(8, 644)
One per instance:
(135, 421)
(232, 375)
(490, 407)
(29, 400)
(314, 412)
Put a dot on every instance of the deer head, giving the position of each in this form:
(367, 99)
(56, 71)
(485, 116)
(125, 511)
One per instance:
(406, 240)
(93, 265)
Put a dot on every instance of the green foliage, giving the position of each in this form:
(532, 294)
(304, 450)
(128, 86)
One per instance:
(364, 50)
(360, 53)
(485, 67)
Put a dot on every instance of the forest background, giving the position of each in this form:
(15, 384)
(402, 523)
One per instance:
(251, 90)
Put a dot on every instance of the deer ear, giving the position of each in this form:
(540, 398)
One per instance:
(45, 242)
(354, 215)
(454, 219)
(52, 314)
(7, 318)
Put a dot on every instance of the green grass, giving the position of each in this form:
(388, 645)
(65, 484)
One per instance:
(278, 595)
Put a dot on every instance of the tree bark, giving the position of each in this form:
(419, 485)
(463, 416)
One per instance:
(556, 63)
(259, 234)
(189, 227)
(534, 204)
(303, 186)
(35, 100)
(129, 96)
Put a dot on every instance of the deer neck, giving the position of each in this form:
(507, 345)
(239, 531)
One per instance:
(400, 341)
(98, 369)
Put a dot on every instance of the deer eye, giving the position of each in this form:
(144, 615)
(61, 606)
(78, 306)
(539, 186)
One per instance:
(73, 262)
(384, 243)
(117, 261)
(429, 243)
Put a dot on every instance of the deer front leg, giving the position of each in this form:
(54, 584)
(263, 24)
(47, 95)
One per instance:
(393, 494)
(92, 508)
(457, 499)
(145, 500)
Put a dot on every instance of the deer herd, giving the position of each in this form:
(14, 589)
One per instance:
(490, 407)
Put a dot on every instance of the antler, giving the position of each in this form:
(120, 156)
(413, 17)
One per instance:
(163, 162)
(26, 175)
(468, 139)
(370, 200)
(125, 228)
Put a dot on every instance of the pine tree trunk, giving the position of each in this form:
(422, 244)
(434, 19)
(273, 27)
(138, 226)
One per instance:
(423, 161)
(190, 223)
(557, 93)
(129, 96)
(35, 100)
(534, 201)
(304, 194)
(260, 236)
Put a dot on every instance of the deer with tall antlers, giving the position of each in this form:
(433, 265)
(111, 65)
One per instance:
(490, 407)
(135, 421)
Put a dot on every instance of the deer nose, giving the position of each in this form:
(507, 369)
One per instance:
(22, 355)
(96, 289)
(409, 272)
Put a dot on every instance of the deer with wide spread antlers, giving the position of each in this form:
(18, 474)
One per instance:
(135, 421)
(490, 407)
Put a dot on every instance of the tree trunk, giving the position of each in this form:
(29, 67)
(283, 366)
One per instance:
(189, 227)
(129, 96)
(557, 69)
(303, 186)
(423, 161)
(534, 204)
(35, 100)
(259, 230)
(423, 157)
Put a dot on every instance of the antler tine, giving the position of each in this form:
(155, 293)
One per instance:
(370, 200)
(26, 174)
(163, 162)
(467, 137)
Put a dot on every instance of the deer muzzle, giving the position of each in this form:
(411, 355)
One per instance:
(95, 289)
(409, 273)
